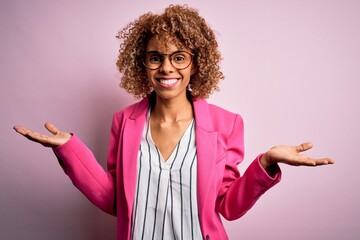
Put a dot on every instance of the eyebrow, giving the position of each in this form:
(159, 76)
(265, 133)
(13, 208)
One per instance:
(154, 51)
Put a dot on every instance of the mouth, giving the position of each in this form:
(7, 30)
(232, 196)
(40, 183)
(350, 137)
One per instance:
(167, 82)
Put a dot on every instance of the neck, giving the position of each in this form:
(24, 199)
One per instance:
(172, 110)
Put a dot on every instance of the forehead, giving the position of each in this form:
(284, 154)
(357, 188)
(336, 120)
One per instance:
(163, 44)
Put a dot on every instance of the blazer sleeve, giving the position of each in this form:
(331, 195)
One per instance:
(79, 163)
(239, 193)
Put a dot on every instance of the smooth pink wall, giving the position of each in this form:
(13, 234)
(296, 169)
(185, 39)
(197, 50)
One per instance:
(292, 71)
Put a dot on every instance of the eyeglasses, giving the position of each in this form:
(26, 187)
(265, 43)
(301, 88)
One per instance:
(179, 59)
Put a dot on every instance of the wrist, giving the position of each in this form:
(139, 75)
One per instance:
(265, 161)
(270, 167)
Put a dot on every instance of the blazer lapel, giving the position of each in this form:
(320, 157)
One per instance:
(132, 133)
(206, 145)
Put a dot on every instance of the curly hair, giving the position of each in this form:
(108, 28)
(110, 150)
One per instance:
(186, 28)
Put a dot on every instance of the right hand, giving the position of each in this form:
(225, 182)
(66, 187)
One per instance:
(57, 139)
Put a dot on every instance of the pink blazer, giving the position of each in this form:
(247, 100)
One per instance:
(220, 148)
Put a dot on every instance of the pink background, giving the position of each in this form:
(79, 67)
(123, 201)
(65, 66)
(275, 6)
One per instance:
(292, 71)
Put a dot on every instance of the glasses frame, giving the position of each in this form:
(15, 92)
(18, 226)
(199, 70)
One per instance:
(169, 56)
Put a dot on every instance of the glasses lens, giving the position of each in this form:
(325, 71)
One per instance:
(179, 60)
(153, 60)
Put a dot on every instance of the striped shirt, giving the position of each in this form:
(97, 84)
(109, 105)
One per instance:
(166, 203)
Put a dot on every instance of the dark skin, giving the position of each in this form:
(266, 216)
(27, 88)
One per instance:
(173, 112)
(290, 155)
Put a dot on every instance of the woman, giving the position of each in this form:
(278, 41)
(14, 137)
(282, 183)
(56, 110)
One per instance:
(172, 160)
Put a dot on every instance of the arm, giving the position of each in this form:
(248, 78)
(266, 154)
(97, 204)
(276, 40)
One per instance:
(239, 193)
(80, 164)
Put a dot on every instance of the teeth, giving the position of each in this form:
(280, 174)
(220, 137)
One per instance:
(168, 81)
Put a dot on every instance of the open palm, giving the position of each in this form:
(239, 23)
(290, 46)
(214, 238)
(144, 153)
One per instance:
(58, 138)
(291, 155)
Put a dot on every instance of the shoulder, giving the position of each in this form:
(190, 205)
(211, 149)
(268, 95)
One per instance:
(133, 111)
(214, 111)
(217, 117)
(219, 112)
(225, 119)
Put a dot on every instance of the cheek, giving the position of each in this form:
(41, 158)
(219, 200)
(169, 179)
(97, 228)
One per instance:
(149, 74)
(186, 75)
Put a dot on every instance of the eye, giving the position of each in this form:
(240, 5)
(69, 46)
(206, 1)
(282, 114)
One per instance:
(178, 57)
(155, 58)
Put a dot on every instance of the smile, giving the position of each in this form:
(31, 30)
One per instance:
(167, 82)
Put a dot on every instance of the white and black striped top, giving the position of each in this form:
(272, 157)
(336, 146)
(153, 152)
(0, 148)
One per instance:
(165, 204)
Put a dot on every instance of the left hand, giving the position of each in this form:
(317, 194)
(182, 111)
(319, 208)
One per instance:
(291, 155)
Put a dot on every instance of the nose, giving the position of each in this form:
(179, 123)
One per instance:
(166, 65)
